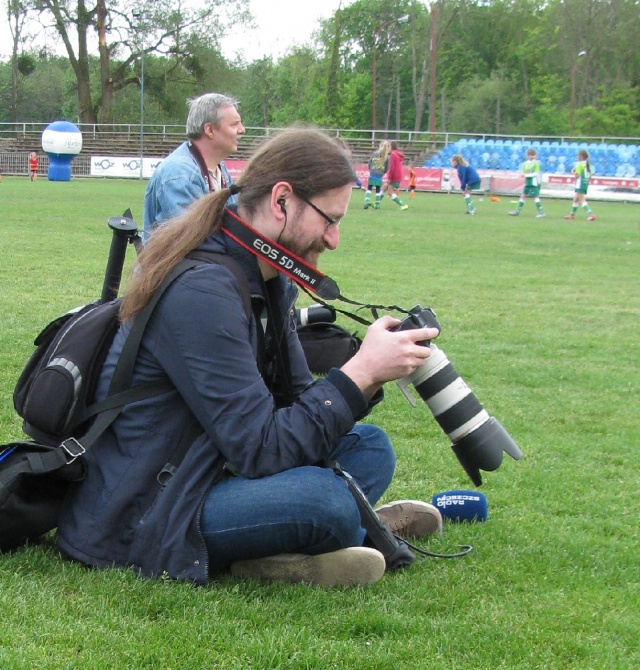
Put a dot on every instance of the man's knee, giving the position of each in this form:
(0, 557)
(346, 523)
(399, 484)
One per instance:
(328, 501)
(376, 439)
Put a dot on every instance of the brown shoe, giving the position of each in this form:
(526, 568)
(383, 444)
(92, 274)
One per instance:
(346, 567)
(410, 518)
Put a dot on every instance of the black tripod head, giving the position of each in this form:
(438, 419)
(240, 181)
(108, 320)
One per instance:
(125, 231)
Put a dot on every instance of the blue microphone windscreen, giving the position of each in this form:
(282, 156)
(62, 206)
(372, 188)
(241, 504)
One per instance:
(461, 505)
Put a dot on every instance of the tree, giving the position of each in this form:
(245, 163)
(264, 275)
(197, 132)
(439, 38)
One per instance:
(427, 35)
(258, 97)
(17, 15)
(163, 27)
(502, 65)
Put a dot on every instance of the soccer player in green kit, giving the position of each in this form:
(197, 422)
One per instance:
(532, 181)
(582, 172)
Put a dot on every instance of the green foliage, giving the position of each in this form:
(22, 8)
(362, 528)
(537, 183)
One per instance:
(482, 105)
(616, 114)
(355, 102)
(26, 64)
(520, 53)
(539, 317)
(545, 120)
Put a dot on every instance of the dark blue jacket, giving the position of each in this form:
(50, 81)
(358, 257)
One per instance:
(468, 176)
(199, 338)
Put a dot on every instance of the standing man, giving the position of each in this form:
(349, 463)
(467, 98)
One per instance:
(197, 166)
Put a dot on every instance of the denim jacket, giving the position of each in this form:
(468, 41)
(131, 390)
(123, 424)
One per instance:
(176, 183)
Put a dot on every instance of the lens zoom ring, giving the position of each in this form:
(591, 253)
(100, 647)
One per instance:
(437, 382)
(459, 414)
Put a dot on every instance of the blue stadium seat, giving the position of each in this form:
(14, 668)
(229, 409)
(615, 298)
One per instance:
(621, 160)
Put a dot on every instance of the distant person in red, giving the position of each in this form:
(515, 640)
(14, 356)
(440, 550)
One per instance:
(33, 166)
(394, 175)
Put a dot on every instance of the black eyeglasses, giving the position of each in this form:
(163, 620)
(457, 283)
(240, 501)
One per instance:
(330, 221)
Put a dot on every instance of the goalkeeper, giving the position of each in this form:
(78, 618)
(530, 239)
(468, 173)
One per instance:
(532, 181)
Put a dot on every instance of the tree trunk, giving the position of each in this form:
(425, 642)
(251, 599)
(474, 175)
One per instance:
(106, 80)
(79, 63)
(15, 33)
(419, 88)
(334, 68)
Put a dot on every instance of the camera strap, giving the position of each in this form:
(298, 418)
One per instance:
(204, 170)
(319, 286)
(395, 550)
(279, 257)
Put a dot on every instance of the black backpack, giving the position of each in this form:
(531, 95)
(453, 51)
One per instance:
(54, 396)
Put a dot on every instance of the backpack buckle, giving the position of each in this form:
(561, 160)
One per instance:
(73, 449)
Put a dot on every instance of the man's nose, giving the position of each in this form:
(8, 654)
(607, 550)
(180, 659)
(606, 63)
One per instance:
(331, 236)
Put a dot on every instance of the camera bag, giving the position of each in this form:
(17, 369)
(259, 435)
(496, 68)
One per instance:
(54, 396)
(327, 345)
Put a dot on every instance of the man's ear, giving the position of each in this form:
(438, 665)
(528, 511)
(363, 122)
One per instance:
(209, 130)
(280, 194)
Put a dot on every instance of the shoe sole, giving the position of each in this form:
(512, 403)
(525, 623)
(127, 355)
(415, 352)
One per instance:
(354, 566)
(425, 518)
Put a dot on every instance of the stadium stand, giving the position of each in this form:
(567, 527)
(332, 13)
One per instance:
(495, 153)
(612, 160)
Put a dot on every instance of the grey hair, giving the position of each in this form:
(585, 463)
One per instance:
(206, 109)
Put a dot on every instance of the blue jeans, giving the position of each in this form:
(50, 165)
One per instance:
(303, 510)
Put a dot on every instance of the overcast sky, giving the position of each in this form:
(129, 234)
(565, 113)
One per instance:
(281, 24)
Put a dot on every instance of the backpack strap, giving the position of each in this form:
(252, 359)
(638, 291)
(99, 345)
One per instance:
(194, 428)
(120, 392)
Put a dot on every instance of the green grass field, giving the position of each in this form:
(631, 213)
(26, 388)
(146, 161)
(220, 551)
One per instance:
(541, 319)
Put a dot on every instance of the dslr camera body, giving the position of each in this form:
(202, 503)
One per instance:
(477, 439)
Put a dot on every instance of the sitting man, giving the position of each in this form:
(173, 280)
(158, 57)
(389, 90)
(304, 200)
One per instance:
(254, 493)
(197, 166)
